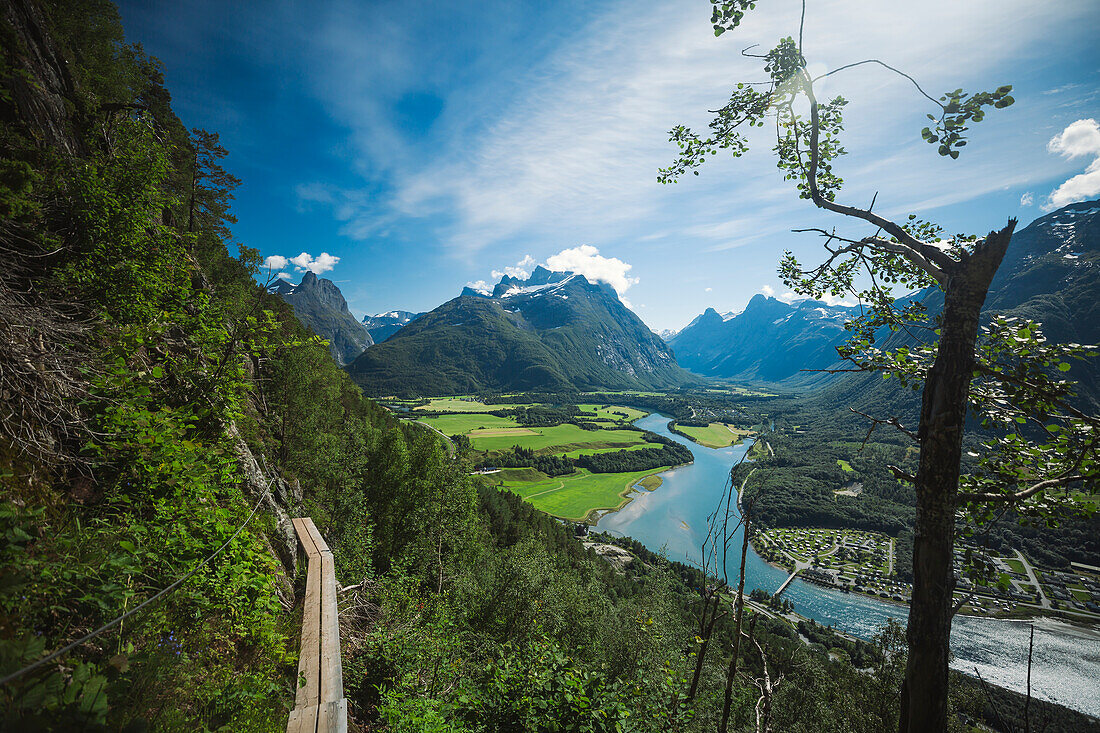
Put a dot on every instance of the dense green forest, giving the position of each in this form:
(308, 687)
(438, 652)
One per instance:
(827, 451)
(154, 393)
(670, 453)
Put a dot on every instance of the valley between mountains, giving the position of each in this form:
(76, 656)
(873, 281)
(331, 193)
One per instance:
(541, 380)
(230, 500)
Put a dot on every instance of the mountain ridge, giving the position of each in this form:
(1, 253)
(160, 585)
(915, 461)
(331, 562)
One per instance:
(381, 326)
(554, 331)
(321, 307)
(769, 341)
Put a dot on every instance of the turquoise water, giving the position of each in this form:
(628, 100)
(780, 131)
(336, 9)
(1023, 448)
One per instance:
(1066, 663)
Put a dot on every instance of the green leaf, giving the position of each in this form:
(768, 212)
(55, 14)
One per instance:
(1063, 367)
(126, 545)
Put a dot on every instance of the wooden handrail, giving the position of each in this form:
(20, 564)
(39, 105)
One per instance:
(319, 704)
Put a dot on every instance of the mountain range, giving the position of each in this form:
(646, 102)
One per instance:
(559, 331)
(552, 331)
(1050, 274)
(769, 341)
(384, 325)
(320, 306)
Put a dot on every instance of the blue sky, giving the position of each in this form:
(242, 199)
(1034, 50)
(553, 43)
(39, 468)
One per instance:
(430, 145)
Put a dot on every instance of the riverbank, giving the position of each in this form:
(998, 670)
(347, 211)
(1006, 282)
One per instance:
(674, 520)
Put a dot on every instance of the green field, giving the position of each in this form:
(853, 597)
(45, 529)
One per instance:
(715, 435)
(614, 413)
(459, 404)
(561, 437)
(611, 449)
(462, 423)
(1016, 565)
(845, 465)
(576, 495)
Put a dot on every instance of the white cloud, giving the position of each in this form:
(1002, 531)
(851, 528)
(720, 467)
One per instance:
(481, 286)
(586, 260)
(707, 290)
(846, 300)
(521, 270)
(283, 275)
(1027, 199)
(788, 297)
(575, 150)
(275, 262)
(1079, 139)
(305, 262)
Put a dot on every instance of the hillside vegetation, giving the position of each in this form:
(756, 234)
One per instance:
(154, 394)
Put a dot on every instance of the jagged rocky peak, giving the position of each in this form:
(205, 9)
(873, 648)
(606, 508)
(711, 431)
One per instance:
(320, 306)
(383, 325)
(397, 316)
(323, 290)
(326, 292)
(541, 276)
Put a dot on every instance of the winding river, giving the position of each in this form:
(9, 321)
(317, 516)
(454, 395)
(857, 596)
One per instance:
(1066, 660)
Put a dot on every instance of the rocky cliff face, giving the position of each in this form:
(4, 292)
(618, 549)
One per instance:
(41, 100)
(320, 306)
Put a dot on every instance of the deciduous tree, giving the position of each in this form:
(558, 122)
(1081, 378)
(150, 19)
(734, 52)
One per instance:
(1035, 442)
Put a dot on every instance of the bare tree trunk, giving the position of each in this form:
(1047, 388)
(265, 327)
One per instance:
(765, 684)
(731, 673)
(706, 629)
(943, 415)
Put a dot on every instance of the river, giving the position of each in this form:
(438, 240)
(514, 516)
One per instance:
(1066, 660)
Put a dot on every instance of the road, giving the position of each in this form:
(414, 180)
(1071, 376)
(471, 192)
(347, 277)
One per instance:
(450, 443)
(1031, 578)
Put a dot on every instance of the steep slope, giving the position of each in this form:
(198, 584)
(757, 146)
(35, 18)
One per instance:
(321, 307)
(383, 325)
(554, 331)
(769, 341)
(1050, 274)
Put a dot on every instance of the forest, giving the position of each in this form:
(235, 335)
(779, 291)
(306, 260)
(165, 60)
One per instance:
(160, 403)
(189, 396)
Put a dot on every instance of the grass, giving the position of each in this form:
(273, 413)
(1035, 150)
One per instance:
(517, 475)
(459, 404)
(614, 413)
(576, 495)
(563, 438)
(590, 451)
(715, 435)
(844, 465)
(1016, 565)
(499, 432)
(463, 423)
(651, 483)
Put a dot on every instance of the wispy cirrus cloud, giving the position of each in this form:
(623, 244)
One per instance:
(580, 144)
